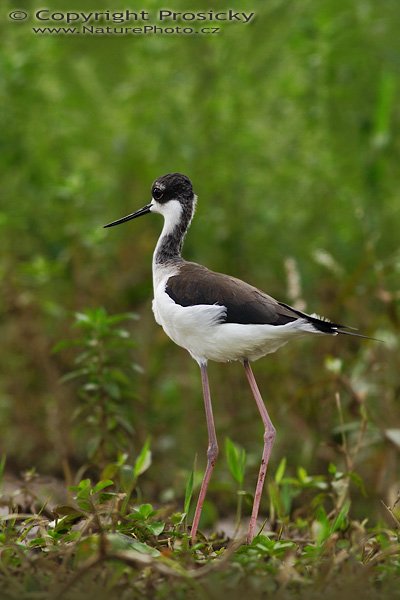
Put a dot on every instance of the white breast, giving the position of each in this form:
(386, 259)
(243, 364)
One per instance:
(187, 326)
(200, 331)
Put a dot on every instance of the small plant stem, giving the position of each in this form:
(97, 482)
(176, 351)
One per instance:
(67, 471)
(239, 510)
(103, 430)
(361, 433)
(125, 502)
(391, 512)
(103, 407)
(344, 447)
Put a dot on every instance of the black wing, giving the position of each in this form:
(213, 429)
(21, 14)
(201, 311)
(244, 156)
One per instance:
(245, 304)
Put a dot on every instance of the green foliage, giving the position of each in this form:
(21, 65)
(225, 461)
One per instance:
(285, 126)
(236, 458)
(188, 493)
(105, 369)
(94, 539)
(143, 461)
(87, 496)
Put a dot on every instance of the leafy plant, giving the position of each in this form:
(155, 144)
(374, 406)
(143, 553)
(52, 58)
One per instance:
(99, 542)
(236, 459)
(106, 372)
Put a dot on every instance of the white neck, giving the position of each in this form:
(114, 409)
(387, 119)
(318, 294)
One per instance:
(172, 212)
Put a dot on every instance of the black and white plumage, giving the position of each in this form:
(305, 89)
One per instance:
(216, 316)
(212, 315)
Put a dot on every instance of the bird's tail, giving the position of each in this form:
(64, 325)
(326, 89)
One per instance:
(326, 326)
(366, 337)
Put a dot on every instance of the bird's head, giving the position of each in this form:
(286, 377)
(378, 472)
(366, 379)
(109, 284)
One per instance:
(171, 196)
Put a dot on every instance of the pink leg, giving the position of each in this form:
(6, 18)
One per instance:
(269, 438)
(212, 451)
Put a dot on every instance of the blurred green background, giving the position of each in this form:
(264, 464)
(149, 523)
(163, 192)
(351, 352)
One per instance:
(288, 128)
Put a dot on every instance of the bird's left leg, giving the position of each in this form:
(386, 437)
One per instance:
(212, 450)
(269, 438)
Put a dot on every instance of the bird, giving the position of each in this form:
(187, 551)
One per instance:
(217, 317)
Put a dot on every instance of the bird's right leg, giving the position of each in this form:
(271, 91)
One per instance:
(269, 438)
(212, 451)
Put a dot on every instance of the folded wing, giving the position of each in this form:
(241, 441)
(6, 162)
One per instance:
(245, 304)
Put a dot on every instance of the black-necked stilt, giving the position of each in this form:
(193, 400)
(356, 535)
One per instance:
(216, 317)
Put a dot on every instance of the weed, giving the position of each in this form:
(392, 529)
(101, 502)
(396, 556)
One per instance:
(106, 373)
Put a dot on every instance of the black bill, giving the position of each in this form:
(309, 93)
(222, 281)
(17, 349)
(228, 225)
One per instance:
(138, 213)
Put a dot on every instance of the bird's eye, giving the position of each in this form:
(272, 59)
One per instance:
(157, 193)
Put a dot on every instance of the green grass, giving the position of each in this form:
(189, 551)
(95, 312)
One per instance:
(103, 541)
(107, 538)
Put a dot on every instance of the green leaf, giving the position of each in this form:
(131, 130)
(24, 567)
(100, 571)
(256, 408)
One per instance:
(143, 461)
(280, 470)
(189, 491)
(302, 475)
(341, 519)
(145, 549)
(84, 504)
(109, 471)
(156, 528)
(84, 485)
(178, 518)
(64, 510)
(332, 469)
(236, 457)
(321, 526)
(127, 478)
(145, 510)
(101, 485)
(120, 541)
